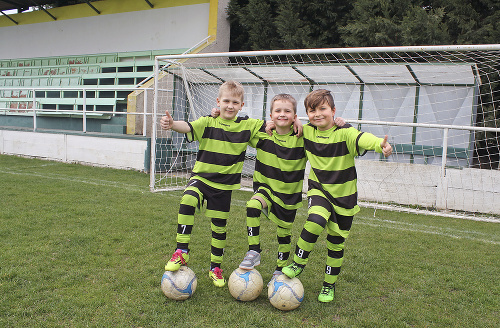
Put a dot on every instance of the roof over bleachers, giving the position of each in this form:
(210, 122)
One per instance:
(25, 4)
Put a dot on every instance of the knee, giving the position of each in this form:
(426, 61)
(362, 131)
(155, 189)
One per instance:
(254, 207)
(190, 199)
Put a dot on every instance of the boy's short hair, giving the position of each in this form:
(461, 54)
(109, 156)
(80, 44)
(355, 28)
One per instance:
(318, 97)
(287, 97)
(233, 87)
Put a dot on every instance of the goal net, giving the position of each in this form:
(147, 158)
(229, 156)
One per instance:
(439, 106)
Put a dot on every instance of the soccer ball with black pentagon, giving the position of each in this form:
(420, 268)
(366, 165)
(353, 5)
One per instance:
(179, 285)
(284, 293)
(245, 285)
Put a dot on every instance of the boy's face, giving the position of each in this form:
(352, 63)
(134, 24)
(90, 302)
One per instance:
(229, 105)
(282, 113)
(322, 116)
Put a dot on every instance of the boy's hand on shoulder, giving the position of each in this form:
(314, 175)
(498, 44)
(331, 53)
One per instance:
(270, 126)
(166, 122)
(215, 112)
(298, 127)
(339, 121)
(386, 147)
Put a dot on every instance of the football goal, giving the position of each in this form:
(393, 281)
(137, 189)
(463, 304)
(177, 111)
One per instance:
(439, 105)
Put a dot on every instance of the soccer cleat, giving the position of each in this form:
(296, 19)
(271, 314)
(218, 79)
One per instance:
(216, 275)
(252, 259)
(178, 258)
(327, 293)
(292, 270)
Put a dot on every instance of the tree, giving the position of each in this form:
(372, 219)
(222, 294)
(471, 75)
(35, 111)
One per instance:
(273, 24)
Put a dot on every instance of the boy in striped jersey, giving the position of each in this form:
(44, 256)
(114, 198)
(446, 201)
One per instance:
(332, 192)
(277, 181)
(217, 172)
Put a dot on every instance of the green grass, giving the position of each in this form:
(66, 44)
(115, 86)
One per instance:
(83, 246)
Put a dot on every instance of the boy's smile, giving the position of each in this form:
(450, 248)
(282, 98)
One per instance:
(322, 116)
(229, 105)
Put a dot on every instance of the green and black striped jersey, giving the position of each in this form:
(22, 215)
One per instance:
(222, 148)
(280, 166)
(331, 154)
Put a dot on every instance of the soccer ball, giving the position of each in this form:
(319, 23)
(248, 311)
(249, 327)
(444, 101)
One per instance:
(284, 293)
(179, 285)
(245, 285)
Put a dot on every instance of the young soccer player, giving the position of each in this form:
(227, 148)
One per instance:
(222, 145)
(332, 192)
(277, 182)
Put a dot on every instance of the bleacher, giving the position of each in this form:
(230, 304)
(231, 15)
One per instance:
(55, 86)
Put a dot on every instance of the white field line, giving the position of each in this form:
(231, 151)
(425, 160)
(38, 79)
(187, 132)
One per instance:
(96, 182)
(421, 228)
(412, 227)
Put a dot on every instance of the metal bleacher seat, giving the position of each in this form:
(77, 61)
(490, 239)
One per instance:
(59, 82)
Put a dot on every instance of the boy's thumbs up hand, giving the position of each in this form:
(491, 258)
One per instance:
(386, 147)
(166, 121)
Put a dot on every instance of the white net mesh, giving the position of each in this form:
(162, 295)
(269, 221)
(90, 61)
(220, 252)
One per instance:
(439, 107)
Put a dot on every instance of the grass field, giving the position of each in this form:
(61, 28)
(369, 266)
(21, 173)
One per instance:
(85, 247)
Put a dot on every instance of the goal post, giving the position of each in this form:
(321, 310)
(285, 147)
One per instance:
(439, 105)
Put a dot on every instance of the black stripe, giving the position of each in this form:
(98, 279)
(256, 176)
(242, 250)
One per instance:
(184, 229)
(326, 150)
(219, 236)
(318, 219)
(334, 271)
(347, 202)
(335, 239)
(284, 240)
(305, 254)
(223, 135)
(277, 174)
(335, 254)
(217, 251)
(336, 177)
(288, 199)
(357, 145)
(209, 157)
(344, 222)
(219, 222)
(283, 214)
(253, 231)
(269, 146)
(187, 209)
(227, 179)
(253, 212)
(308, 236)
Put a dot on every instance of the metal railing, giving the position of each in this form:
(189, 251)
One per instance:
(35, 110)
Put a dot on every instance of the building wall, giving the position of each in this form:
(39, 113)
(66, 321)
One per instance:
(115, 152)
(121, 26)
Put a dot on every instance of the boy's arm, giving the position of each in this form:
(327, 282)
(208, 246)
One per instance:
(168, 123)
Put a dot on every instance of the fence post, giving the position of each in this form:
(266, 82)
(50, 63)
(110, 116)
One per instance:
(84, 110)
(145, 116)
(34, 109)
(445, 152)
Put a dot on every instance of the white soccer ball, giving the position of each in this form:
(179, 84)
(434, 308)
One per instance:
(179, 285)
(284, 293)
(245, 285)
